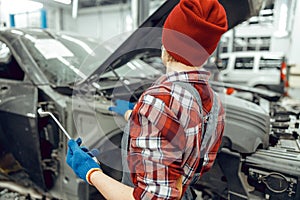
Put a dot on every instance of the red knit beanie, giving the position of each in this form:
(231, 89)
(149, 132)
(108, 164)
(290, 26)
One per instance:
(193, 29)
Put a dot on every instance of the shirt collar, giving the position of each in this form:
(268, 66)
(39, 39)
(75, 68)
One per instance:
(195, 76)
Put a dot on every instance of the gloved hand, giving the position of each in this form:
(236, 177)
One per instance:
(80, 159)
(121, 107)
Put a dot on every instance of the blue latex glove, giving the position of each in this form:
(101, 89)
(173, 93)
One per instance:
(80, 159)
(121, 107)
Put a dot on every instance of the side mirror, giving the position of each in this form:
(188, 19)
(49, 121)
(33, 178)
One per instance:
(221, 67)
(222, 63)
(5, 54)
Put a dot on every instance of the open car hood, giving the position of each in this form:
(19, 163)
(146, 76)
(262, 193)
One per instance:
(265, 94)
(147, 38)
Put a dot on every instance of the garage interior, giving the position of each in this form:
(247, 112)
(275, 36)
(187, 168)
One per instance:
(106, 19)
(256, 60)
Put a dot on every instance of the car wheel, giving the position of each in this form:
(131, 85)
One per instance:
(261, 87)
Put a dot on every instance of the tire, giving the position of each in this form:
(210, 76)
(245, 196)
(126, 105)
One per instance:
(261, 87)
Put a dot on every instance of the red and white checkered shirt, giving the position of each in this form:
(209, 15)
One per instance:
(165, 136)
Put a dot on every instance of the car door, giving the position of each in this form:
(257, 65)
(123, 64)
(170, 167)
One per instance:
(225, 67)
(269, 70)
(19, 137)
(242, 70)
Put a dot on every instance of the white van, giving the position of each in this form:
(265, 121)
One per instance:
(254, 69)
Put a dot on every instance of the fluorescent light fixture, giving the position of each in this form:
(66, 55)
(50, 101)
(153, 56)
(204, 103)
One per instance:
(64, 1)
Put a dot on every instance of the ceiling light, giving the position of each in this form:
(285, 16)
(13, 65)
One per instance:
(64, 1)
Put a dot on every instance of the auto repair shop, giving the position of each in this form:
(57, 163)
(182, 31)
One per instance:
(65, 64)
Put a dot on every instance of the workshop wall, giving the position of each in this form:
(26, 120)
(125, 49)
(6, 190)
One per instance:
(104, 22)
(277, 33)
(26, 13)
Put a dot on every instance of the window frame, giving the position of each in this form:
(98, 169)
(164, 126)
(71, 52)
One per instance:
(251, 59)
(18, 67)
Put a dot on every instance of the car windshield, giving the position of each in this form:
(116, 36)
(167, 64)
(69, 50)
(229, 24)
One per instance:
(61, 59)
(75, 58)
(136, 68)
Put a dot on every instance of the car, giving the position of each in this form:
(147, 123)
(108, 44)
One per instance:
(254, 69)
(79, 81)
(33, 77)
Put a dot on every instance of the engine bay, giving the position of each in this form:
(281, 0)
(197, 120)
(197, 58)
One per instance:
(268, 173)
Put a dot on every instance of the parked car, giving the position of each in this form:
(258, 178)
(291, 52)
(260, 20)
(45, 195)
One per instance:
(254, 69)
(78, 85)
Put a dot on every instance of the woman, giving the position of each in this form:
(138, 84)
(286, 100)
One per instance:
(168, 145)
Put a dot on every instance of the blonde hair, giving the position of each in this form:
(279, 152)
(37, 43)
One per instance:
(169, 58)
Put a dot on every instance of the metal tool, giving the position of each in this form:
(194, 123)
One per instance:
(46, 113)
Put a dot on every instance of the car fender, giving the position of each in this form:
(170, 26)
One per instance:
(262, 80)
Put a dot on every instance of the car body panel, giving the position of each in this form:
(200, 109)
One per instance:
(252, 73)
(18, 122)
(245, 121)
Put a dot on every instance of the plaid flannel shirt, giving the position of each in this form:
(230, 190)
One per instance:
(165, 136)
